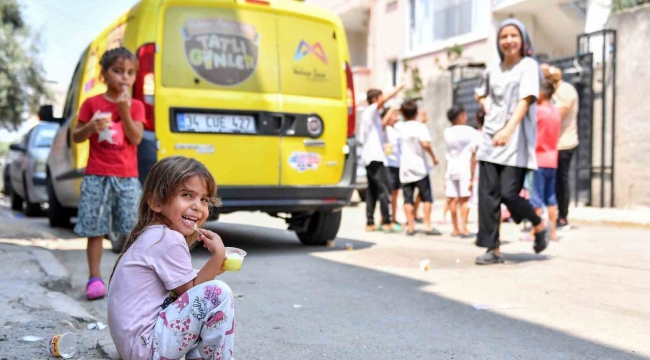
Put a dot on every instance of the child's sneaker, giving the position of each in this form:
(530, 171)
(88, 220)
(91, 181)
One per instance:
(96, 289)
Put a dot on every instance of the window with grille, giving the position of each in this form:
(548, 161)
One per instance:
(434, 21)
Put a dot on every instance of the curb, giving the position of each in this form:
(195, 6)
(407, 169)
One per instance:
(108, 350)
(611, 223)
(57, 277)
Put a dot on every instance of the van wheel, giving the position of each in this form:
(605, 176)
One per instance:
(323, 226)
(58, 215)
(362, 194)
(31, 209)
(16, 201)
(117, 241)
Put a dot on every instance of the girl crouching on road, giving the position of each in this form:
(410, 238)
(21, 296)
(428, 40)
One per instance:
(159, 307)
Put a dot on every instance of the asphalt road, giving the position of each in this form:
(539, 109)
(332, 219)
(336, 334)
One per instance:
(586, 298)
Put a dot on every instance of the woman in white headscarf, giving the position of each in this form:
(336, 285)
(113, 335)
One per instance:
(508, 92)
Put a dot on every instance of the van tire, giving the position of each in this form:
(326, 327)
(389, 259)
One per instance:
(323, 226)
(16, 201)
(362, 194)
(58, 215)
(31, 209)
(117, 241)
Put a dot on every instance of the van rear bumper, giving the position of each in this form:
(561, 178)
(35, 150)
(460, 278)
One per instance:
(289, 199)
(293, 199)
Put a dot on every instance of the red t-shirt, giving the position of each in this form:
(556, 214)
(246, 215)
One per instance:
(548, 134)
(111, 153)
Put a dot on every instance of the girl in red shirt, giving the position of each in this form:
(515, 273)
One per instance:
(113, 123)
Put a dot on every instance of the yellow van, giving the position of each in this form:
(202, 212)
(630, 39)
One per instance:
(258, 90)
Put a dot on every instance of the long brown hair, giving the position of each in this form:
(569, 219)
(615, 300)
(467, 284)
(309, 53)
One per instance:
(162, 183)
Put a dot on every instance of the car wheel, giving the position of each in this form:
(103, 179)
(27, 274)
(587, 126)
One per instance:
(362, 194)
(16, 201)
(323, 226)
(58, 215)
(31, 209)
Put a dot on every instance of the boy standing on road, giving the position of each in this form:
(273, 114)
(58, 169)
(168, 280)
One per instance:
(414, 171)
(374, 157)
(393, 155)
(548, 133)
(461, 141)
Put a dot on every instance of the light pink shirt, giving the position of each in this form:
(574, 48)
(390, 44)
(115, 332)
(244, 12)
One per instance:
(157, 262)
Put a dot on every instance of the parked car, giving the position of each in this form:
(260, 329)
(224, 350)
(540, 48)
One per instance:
(270, 112)
(27, 171)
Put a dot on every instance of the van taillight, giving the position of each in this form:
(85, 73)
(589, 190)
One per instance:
(144, 88)
(352, 108)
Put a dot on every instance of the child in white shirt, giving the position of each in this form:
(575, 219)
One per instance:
(414, 171)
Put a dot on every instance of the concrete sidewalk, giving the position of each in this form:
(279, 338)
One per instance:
(637, 218)
(34, 302)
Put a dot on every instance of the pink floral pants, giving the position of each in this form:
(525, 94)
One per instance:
(200, 324)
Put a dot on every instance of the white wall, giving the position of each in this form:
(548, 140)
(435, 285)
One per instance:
(358, 45)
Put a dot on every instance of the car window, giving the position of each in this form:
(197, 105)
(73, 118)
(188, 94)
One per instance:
(44, 137)
(69, 108)
(25, 139)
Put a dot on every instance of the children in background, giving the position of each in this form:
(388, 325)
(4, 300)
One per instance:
(548, 132)
(159, 307)
(473, 199)
(424, 118)
(390, 117)
(373, 155)
(461, 162)
(414, 171)
(113, 122)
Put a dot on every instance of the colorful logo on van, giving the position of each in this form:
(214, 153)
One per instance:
(222, 52)
(305, 49)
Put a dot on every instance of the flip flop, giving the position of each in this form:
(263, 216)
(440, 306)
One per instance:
(397, 228)
(541, 241)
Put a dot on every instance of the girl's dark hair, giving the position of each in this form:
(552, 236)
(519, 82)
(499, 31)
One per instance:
(480, 117)
(163, 182)
(547, 88)
(454, 112)
(112, 55)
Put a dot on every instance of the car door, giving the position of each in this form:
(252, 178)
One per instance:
(65, 176)
(19, 164)
(217, 88)
(313, 88)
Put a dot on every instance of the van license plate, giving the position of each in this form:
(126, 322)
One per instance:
(213, 123)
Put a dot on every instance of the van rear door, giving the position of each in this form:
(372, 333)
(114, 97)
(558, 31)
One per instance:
(312, 86)
(217, 89)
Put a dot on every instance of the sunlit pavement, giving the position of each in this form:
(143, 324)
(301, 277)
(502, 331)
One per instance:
(586, 297)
